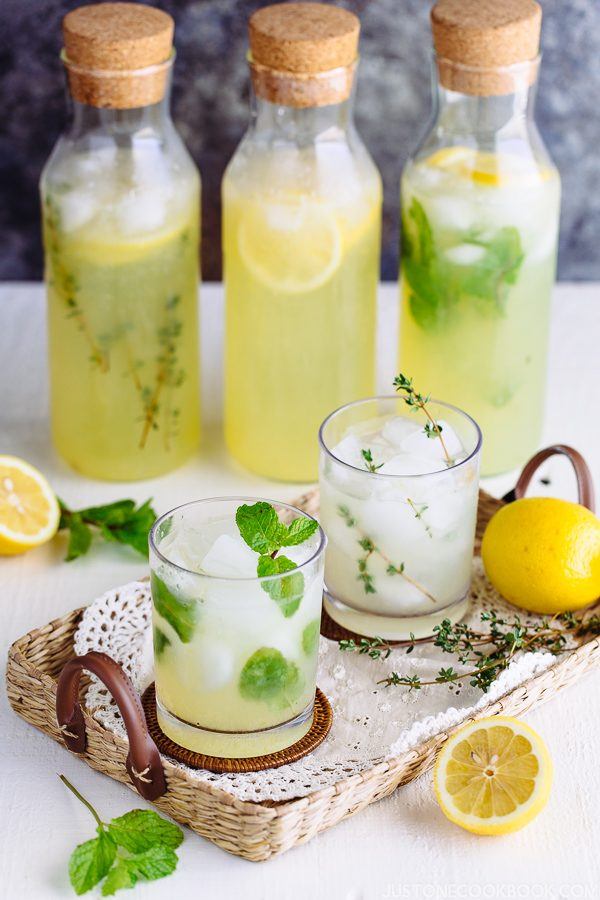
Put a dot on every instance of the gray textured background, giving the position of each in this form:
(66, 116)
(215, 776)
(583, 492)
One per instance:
(210, 106)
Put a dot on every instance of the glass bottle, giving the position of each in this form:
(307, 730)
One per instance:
(480, 210)
(301, 234)
(120, 201)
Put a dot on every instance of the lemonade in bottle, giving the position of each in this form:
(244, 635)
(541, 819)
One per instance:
(480, 209)
(301, 207)
(120, 202)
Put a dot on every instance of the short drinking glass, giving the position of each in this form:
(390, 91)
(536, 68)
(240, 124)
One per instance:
(399, 507)
(235, 654)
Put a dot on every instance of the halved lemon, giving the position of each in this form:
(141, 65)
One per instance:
(493, 776)
(292, 245)
(29, 511)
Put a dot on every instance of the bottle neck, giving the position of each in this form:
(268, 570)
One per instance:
(485, 117)
(301, 126)
(119, 123)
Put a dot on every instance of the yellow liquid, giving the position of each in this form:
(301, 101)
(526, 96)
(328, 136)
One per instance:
(122, 316)
(301, 280)
(470, 339)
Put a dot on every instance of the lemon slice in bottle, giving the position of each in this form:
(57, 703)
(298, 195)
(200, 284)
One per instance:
(292, 245)
(493, 776)
(29, 512)
(488, 169)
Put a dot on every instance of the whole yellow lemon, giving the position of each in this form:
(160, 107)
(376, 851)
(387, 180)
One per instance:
(544, 554)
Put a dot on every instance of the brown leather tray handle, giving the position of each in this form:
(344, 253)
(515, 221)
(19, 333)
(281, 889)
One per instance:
(585, 485)
(143, 760)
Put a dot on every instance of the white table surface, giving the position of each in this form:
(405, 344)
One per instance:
(401, 847)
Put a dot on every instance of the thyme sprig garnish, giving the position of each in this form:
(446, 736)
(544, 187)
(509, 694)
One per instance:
(370, 548)
(367, 456)
(485, 653)
(404, 387)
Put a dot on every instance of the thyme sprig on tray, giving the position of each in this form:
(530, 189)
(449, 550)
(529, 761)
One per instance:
(404, 387)
(485, 653)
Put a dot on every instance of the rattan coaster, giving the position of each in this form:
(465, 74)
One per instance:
(322, 719)
(334, 632)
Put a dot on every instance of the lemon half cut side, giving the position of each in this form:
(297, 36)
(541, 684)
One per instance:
(493, 776)
(29, 511)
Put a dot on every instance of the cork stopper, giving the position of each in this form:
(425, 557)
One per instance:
(476, 41)
(117, 55)
(303, 54)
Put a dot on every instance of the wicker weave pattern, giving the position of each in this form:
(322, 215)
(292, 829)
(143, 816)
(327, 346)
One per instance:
(255, 831)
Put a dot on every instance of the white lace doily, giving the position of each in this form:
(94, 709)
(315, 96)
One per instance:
(370, 722)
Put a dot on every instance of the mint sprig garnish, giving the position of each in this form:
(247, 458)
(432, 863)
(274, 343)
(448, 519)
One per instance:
(122, 522)
(261, 529)
(138, 845)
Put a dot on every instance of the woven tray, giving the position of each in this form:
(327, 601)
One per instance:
(255, 831)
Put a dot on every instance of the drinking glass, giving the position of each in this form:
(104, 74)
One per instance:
(235, 654)
(400, 537)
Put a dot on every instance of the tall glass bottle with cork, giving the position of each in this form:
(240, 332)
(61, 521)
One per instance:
(301, 206)
(480, 210)
(120, 199)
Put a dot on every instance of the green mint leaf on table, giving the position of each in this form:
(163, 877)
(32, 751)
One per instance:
(140, 844)
(141, 829)
(181, 614)
(120, 876)
(122, 522)
(160, 640)
(287, 592)
(438, 285)
(156, 862)
(260, 527)
(310, 637)
(268, 676)
(91, 861)
(80, 538)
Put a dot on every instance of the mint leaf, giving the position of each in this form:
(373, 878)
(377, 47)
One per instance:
(120, 876)
(117, 522)
(438, 287)
(111, 514)
(156, 862)
(90, 862)
(287, 592)
(140, 829)
(310, 637)
(180, 614)
(161, 641)
(269, 677)
(260, 527)
(298, 531)
(80, 538)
